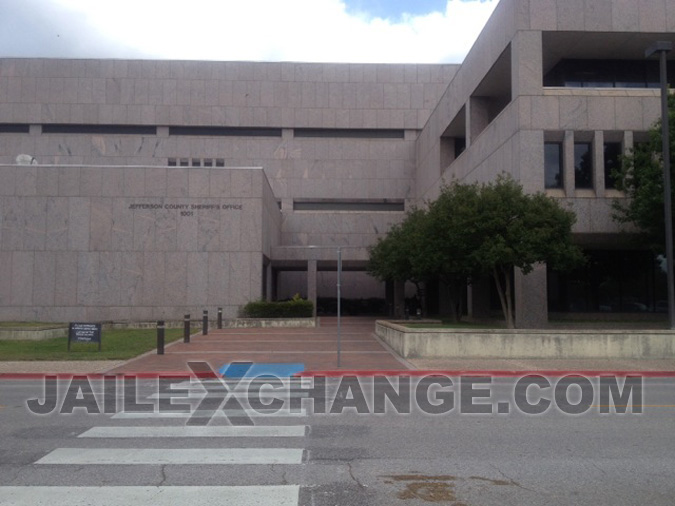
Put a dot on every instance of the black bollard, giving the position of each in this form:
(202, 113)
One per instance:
(205, 323)
(186, 328)
(160, 337)
(220, 318)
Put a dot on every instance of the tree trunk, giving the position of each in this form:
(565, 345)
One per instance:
(503, 281)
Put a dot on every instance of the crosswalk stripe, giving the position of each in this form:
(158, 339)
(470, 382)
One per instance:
(124, 456)
(185, 431)
(274, 495)
(207, 414)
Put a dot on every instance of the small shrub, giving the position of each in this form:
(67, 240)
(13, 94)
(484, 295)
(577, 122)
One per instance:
(294, 308)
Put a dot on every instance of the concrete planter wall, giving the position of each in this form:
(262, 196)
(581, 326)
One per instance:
(519, 343)
(228, 323)
(32, 334)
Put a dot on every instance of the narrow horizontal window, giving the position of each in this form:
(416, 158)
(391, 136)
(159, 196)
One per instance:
(349, 205)
(60, 128)
(207, 131)
(350, 133)
(14, 128)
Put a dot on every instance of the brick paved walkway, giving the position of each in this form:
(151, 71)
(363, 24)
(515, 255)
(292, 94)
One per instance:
(316, 348)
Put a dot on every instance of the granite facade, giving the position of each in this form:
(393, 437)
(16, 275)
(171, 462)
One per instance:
(110, 133)
(122, 250)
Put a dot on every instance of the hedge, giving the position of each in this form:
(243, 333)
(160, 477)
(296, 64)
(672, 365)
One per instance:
(296, 308)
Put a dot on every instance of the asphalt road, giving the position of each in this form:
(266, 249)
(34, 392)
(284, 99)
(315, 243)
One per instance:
(301, 457)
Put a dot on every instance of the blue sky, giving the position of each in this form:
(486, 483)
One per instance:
(368, 31)
(394, 9)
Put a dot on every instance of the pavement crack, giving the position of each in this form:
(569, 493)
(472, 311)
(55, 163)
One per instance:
(354, 478)
(284, 474)
(162, 470)
(599, 468)
(511, 481)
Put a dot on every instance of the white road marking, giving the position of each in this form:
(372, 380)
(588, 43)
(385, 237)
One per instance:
(163, 456)
(206, 414)
(186, 431)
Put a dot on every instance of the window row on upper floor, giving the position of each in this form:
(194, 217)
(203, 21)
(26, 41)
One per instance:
(572, 73)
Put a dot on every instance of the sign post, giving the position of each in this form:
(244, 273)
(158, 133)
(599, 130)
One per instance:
(84, 333)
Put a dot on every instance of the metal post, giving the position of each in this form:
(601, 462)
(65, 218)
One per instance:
(339, 306)
(663, 47)
(220, 318)
(186, 328)
(665, 134)
(205, 323)
(160, 337)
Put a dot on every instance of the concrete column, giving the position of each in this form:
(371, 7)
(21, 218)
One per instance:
(311, 282)
(628, 142)
(268, 281)
(527, 68)
(478, 116)
(568, 163)
(531, 298)
(599, 163)
(275, 283)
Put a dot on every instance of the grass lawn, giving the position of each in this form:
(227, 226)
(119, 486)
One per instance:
(116, 344)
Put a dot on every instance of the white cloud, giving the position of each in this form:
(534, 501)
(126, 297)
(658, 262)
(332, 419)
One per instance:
(276, 30)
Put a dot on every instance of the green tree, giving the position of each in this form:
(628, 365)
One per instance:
(473, 230)
(451, 237)
(402, 254)
(518, 230)
(641, 179)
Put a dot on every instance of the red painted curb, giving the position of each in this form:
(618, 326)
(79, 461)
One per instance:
(143, 375)
(182, 375)
(495, 373)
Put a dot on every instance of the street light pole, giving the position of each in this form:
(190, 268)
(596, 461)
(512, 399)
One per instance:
(663, 48)
(339, 295)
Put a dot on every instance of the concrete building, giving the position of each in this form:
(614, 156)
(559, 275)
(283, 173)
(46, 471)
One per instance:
(165, 187)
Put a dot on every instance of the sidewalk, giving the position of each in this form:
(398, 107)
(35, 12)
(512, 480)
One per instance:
(316, 349)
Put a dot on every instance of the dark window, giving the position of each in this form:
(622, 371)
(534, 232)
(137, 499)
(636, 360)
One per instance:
(349, 205)
(350, 133)
(220, 162)
(612, 162)
(611, 281)
(99, 129)
(607, 73)
(172, 162)
(14, 128)
(196, 162)
(207, 131)
(553, 165)
(583, 165)
(208, 162)
(184, 162)
(460, 146)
